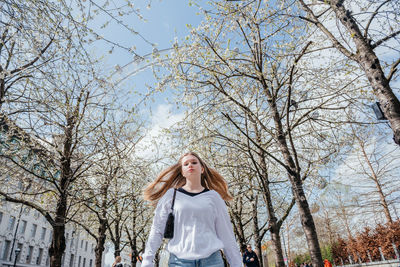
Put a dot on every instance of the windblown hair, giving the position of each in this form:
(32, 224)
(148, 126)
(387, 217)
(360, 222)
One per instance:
(172, 178)
(117, 260)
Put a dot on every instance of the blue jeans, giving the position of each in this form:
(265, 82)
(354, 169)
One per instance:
(214, 260)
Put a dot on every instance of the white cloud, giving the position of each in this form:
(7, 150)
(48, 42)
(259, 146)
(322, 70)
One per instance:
(155, 141)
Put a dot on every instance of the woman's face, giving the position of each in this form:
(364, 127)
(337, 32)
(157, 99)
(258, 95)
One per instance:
(191, 166)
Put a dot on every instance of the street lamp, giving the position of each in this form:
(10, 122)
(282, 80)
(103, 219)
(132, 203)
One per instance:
(17, 251)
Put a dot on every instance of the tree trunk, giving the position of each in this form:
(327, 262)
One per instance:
(2, 92)
(117, 251)
(276, 244)
(306, 218)
(377, 184)
(57, 247)
(100, 243)
(133, 239)
(133, 261)
(117, 240)
(101, 240)
(272, 219)
(288, 244)
(274, 231)
(307, 221)
(157, 258)
(238, 224)
(256, 229)
(370, 63)
(345, 219)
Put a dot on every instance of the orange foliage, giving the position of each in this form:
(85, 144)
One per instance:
(368, 242)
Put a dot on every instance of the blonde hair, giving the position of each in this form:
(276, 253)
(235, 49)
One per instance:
(172, 178)
(117, 260)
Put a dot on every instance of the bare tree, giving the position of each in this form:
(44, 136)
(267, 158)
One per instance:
(372, 164)
(359, 36)
(56, 140)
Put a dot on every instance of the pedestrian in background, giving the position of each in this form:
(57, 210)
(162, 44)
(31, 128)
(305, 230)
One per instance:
(117, 262)
(250, 258)
(327, 263)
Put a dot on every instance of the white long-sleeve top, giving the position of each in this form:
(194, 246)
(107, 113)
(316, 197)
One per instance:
(202, 226)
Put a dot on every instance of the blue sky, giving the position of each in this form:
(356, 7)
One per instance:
(165, 21)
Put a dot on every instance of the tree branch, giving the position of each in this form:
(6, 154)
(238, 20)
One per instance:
(335, 42)
(34, 60)
(29, 204)
(372, 17)
(385, 39)
(393, 70)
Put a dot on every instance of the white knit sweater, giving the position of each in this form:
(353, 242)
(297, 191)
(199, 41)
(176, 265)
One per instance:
(202, 227)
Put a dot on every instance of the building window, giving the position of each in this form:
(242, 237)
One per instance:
(6, 250)
(81, 243)
(84, 262)
(51, 236)
(33, 230)
(71, 261)
(27, 210)
(29, 256)
(79, 261)
(90, 263)
(20, 246)
(22, 228)
(1, 217)
(11, 223)
(43, 234)
(39, 257)
(36, 214)
(72, 242)
(86, 245)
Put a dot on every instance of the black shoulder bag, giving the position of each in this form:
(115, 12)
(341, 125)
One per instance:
(169, 226)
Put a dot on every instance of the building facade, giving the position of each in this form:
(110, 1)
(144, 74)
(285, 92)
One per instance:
(27, 230)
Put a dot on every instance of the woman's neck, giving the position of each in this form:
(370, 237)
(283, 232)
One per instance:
(193, 186)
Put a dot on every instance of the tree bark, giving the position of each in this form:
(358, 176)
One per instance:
(274, 226)
(368, 61)
(58, 245)
(307, 222)
(133, 238)
(101, 240)
(306, 218)
(100, 244)
(236, 213)
(157, 258)
(276, 243)
(256, 228)
(2, 92)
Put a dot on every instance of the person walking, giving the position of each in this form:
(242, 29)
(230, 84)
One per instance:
(250, 258)
(327, 263)
(117, 262)
(195, 195)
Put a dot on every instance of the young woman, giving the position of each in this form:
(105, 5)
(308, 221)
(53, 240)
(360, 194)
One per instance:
(117, 262)
(202, 225)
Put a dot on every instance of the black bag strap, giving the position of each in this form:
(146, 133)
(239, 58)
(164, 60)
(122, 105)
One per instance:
(173, 200)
